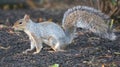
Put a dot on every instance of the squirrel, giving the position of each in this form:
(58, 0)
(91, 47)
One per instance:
(46, 32)
(59, 37)
(89, 18)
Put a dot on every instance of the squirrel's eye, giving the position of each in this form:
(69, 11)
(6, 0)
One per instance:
(20, 22)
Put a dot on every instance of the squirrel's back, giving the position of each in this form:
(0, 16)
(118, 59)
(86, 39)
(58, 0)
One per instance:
(88, 18)
(45, 29)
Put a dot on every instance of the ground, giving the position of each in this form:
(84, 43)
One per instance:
(87, 50)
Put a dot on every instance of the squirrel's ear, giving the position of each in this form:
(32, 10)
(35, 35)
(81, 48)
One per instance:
(26, 17)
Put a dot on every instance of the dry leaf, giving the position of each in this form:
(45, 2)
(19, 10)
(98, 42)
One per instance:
(50, 20)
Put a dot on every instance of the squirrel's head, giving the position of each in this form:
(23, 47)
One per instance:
(21, 24)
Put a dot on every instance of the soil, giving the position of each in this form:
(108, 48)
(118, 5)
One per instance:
(87, 50)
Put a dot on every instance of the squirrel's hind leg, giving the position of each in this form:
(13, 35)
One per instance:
(58, 47)
(55, 44)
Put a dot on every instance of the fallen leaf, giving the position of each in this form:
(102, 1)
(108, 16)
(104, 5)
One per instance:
(50, 20)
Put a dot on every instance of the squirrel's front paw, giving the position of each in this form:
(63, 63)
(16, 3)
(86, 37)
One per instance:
(26, 51)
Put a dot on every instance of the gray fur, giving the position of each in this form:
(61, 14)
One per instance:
(88, 9)
(89, 18)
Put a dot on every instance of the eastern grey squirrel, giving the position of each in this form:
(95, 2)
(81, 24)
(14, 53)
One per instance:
(58, 38)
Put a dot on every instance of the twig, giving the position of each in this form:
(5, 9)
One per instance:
(102, 6)
(117, 11)
(91, 2)
(5, 48)
(106, 5)
(98, 1)
(114, 10)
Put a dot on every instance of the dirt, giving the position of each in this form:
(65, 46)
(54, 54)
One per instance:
(87, 50)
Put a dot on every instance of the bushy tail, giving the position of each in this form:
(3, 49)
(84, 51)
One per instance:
(101, 29)
(88, 18)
